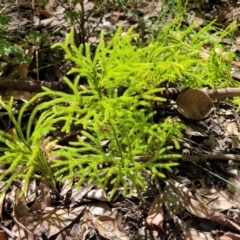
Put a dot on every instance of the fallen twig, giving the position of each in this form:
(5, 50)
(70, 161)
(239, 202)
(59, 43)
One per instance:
(36, 86)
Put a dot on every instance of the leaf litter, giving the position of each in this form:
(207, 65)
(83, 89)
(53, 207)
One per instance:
(189, 205)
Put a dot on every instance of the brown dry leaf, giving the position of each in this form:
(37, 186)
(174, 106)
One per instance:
(233, 133)
(66, 189)
(30, 194)
(51, 220)
(237, 34)
(226, 221)
(48, 21)
(88, 6)
(194, 104)
(20, 208)
(195, 234)
(156, 213)
(17, 21)
(107, 227)
(228, 14)
(78, 194)
(221, 203)
(234, 188)
(236, 64)
(49, 144)
(195, 19)
(216, 200)
(49, 6)
(232, 129)
(225, 238)
(99, 208)
(187, 202)
(44, 198)
(85, 226)
(45, 13)
(98, 194)
(232, 235)
(152, 9)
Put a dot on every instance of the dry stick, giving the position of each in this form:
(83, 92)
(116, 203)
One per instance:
(36, 86)
(31, 86)
(223, 92)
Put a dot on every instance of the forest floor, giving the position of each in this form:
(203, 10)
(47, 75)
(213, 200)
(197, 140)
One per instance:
(199, 200)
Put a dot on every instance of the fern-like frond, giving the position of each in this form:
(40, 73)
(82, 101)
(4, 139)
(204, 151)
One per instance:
(114, 130)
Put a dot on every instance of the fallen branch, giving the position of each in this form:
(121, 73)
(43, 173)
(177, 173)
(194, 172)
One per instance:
(36, 86)
(8, 84)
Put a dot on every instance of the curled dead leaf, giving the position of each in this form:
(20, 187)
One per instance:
(194, 104)
(98, 194)
(108, 228)
(156, 213)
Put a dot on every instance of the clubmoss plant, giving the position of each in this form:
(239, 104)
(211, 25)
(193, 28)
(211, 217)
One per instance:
(23, 156)
(119, 139)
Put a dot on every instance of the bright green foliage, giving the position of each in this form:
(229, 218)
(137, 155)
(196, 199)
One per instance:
(130, 130)
(129, 136)
(176, 56)
(22, 155)
(117, 129)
